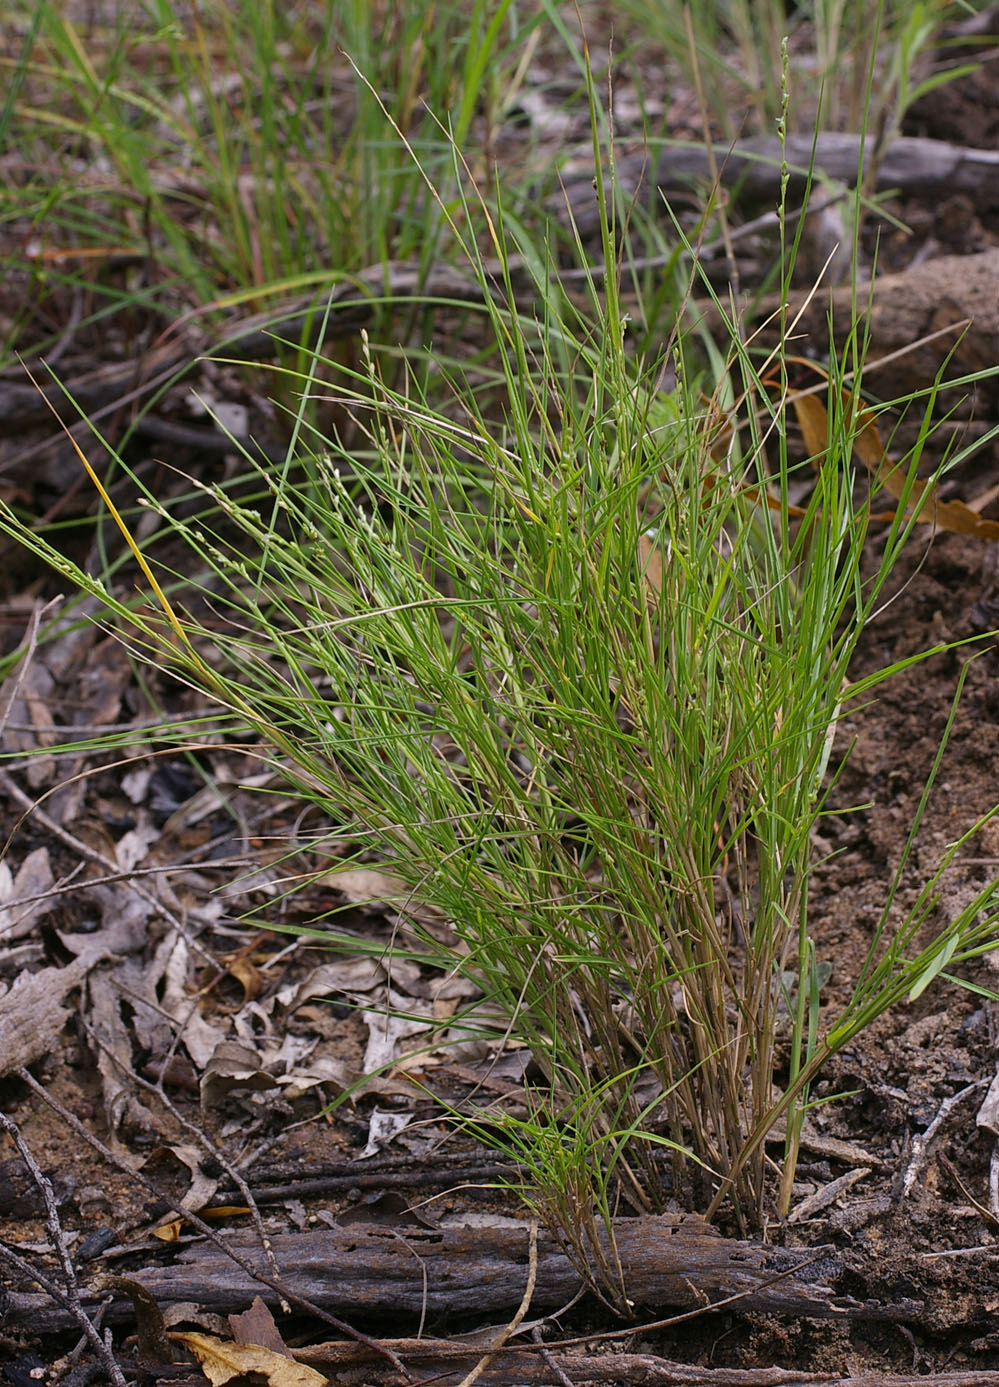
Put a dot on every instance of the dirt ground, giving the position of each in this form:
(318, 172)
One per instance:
(127, 888)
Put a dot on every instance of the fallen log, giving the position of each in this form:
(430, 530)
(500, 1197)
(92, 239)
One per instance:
(373, 1273)
(930, 168)
(912, 165)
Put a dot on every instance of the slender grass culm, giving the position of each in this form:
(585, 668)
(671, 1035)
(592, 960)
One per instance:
(553, 647)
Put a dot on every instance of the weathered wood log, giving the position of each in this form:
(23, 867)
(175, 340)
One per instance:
(909, 165)
(375, 1272)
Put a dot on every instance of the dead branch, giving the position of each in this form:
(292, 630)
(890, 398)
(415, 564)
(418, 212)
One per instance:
(377, 1271)
(443, 1360)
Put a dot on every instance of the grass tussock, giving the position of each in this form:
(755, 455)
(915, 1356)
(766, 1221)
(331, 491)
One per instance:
(543, 633)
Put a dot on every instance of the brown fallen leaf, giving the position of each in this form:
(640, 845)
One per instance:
(170, 1232)
(154, 1347)
(366, 886)
(32, 1015)
(257, 1326)
(30, 885)
(922, 499)
(233, 1065)
(221, 1361)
